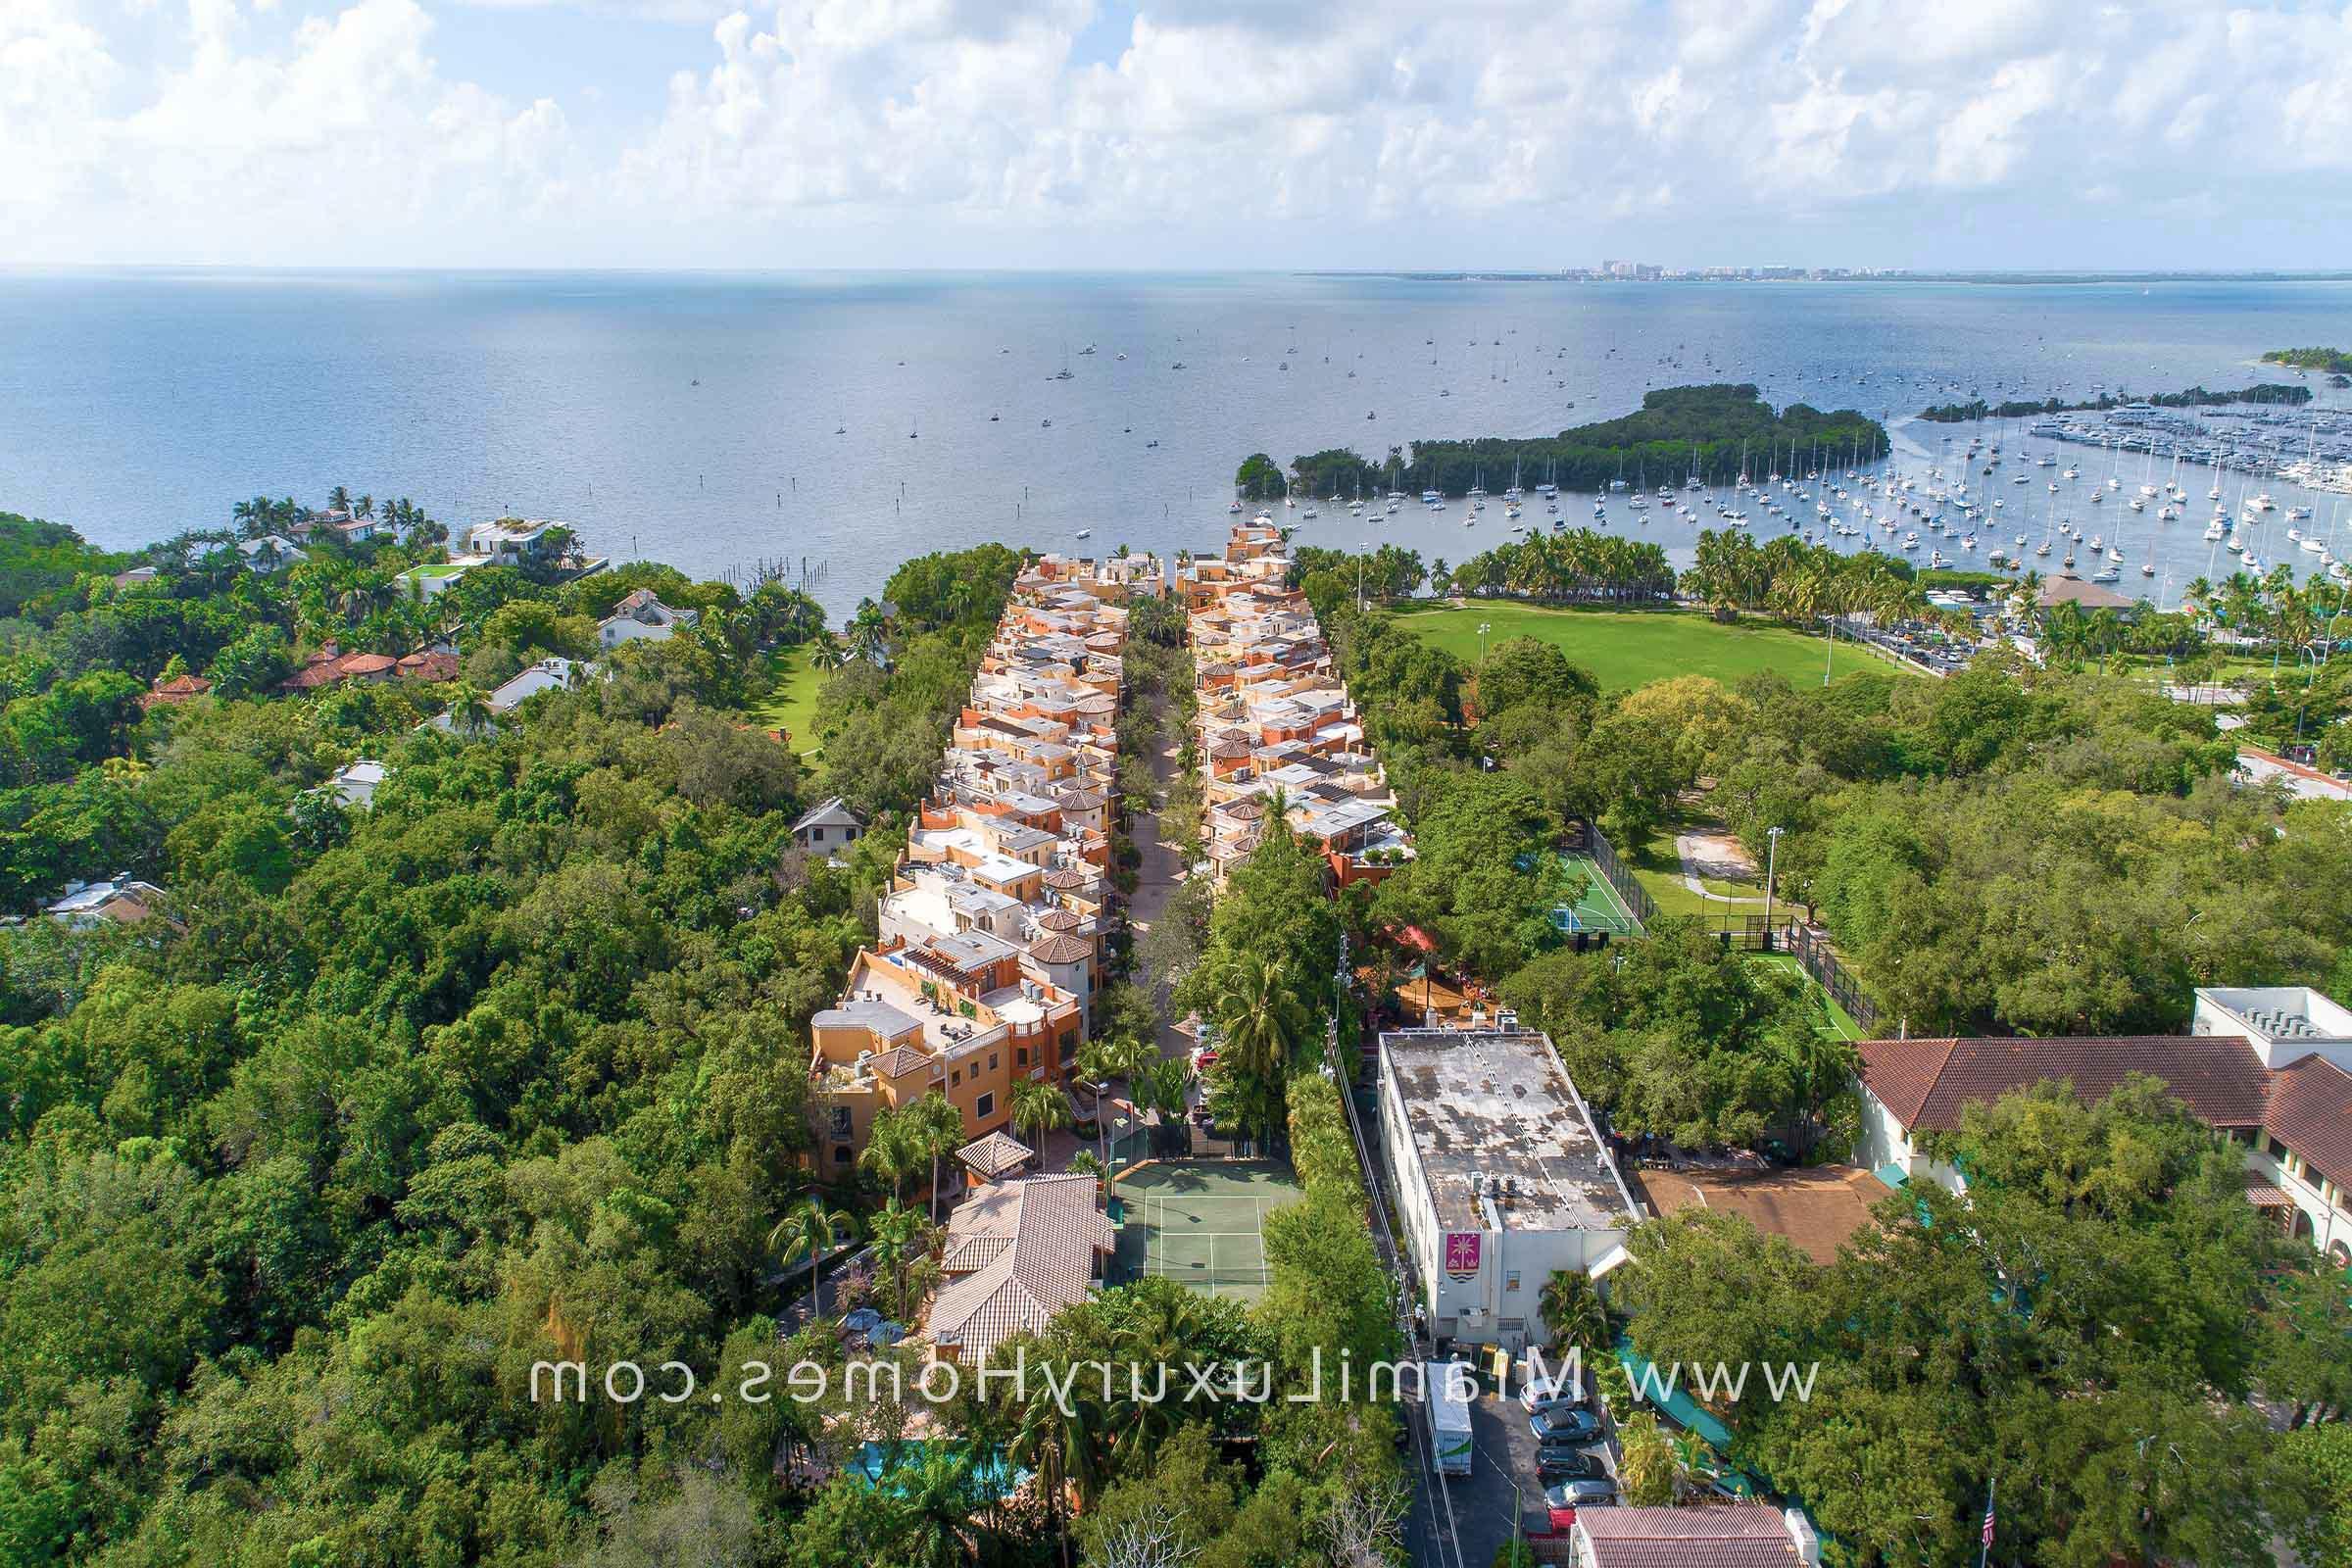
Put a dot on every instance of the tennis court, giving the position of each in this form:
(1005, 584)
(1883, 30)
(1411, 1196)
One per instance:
(1599, 909)
(1202, 1223)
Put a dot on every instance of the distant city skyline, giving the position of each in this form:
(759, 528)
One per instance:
(1504, 135)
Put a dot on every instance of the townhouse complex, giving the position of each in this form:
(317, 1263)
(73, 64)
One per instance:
(993, 928)
(1276, 725)
(2269, 1068)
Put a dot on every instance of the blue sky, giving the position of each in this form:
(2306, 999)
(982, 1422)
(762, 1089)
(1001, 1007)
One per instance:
(1198, 134)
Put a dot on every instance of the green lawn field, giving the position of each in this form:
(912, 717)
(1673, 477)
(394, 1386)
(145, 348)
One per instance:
(1624, 648)
(791, 705)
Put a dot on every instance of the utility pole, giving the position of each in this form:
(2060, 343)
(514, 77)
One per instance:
(1772, 853)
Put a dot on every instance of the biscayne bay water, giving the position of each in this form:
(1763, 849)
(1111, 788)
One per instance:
(693, 419)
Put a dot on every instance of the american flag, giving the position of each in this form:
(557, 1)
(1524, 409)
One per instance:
(1987, 1519)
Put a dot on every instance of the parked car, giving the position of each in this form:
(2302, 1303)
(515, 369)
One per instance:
(1568, 1464)
(1541, 1391)
(1581, 1494)
(1564, 1427)
(1560, 1407)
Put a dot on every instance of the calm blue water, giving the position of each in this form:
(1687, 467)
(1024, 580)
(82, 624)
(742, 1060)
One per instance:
(133, 405)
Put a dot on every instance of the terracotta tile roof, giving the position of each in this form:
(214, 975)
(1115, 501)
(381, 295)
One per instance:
(2311, 1113)
(1016, 1254)
(1742, 1535)
(1926, 1082)
(994, 1155)
(178, 689)
(1244, 810)
(1082, 800)
(429, 666)
(1061, 949)
(368, 663)
(1058, 920)
(1066, 881)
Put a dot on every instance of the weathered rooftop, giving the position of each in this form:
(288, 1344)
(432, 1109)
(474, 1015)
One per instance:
(1499, 1105)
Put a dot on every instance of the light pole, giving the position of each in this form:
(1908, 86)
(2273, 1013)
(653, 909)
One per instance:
(1772, 851)
(1482, 642)
(1363, 550)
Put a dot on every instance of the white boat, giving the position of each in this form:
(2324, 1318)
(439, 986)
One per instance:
(1086, 533)
(2315, 546)
(2263, 503)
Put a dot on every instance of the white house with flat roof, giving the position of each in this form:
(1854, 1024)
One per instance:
(1501, 1178)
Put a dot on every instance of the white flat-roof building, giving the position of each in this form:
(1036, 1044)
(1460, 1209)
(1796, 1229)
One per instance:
(1502, 1177)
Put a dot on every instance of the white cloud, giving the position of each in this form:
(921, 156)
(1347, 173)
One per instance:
(868, 121)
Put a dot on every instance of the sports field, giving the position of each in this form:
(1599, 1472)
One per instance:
(1200, 1222)
(1599, 909)
(1624, 648)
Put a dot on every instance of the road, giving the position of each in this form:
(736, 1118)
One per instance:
(1160, 873)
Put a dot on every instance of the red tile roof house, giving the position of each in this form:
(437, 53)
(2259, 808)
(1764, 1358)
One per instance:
(1017, 1252)
(330, 665)
(1739, 1535)
(2269, 1068)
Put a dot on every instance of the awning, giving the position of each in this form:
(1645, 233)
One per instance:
(1609, 1261)
(1673, 1402)
(1893, 1175)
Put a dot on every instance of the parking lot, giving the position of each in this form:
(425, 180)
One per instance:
(1915, 643)
(1501, 1491)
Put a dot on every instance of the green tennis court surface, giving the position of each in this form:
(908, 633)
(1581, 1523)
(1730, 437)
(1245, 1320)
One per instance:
(1599, 909)
(1201, 1223)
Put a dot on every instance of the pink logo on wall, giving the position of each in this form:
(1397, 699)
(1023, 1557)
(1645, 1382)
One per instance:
(1461, 1253)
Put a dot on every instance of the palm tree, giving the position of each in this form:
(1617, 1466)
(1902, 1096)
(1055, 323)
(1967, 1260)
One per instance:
(889, 1153)
(937, 1496)
(1055, 1442)
(826, 653)
(1119, 1056)
(806, 1230)
(1085, 1163)
(1820, 1065)
(339, 499)
(1692, 1458)
(1039, 1108)
(1262, 1024)
(895, 1231)
(468, 706)
(1166, 1087)
(1571, 1307)
(869, 634)
(934, 1130)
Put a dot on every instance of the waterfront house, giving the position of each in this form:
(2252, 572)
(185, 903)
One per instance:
(642, 617)
(271, 552)
(516, 541)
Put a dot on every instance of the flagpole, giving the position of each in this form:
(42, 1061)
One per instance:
(1984, 1551)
